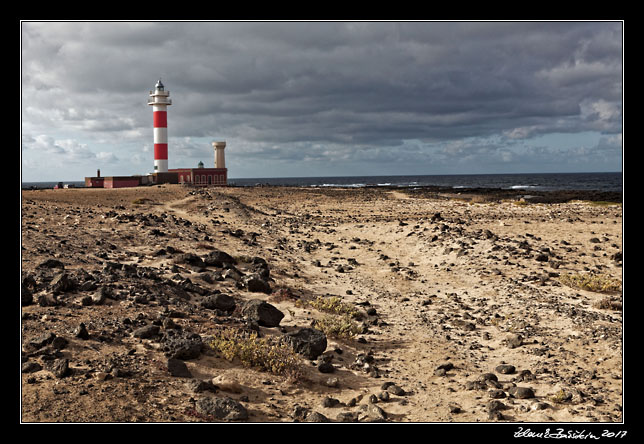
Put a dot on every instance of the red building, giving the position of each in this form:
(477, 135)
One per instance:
(95, 182)
(121, 181)
(201, 176)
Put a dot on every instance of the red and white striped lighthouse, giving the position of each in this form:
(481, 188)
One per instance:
(159, 101)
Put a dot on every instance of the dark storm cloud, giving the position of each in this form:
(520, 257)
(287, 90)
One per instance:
(336, 83)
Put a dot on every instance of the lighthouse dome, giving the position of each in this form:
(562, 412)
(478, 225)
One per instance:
(159, 85)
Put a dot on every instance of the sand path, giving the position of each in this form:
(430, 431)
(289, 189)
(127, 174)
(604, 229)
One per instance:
(437, 302)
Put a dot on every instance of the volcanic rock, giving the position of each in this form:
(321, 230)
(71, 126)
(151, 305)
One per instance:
(221, 408)
(262, 312)
(308, 342)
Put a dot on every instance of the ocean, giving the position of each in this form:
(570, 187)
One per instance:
(537, 182)
(612, 182)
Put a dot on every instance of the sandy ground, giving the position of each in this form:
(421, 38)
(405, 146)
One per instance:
(456, 286)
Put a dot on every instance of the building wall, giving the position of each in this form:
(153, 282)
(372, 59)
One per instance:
(168, 177)
(94, 182)
(202, 176)
(121, 182)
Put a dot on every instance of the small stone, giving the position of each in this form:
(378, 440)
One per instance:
(47, 300)
(178, 368)
(540, 406)
(103, 376)
(181, 344)
(199, 385)
(514, 340)
(330, 402)
(227, 384)
(61, 283)
(375, 413)
(332, 382)
(120, 373)
(495, 405)
(42, 341)
(300, 413)
(219, 302)
(496, 394)
(493, 384)
(495, 415)
(221, 408)
(51, 263)
(488, 377)
(308, 342)
(525, 375)
(262, 312)
(254, 283)
(31, 367)
(475, 385)
(395, 390)
(316, 417)
(101, 294)
(505, 369)
(521, 392)
(347, 417)
(81, 332)
(446, 366)
(326, 367)
(168, 323)
(146, 332)
(59, 343)
(60, 367)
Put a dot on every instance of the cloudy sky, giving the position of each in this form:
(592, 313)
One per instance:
(323, 98)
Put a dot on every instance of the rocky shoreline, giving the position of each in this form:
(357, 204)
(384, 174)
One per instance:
(533, 196)
(265, 304)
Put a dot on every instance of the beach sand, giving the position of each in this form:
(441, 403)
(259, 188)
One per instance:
(450, 289)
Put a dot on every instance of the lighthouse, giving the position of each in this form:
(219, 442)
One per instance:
(200, 176)
(159, 101)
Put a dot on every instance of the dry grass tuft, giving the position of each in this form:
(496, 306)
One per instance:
(592, 282)
(265, 353)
